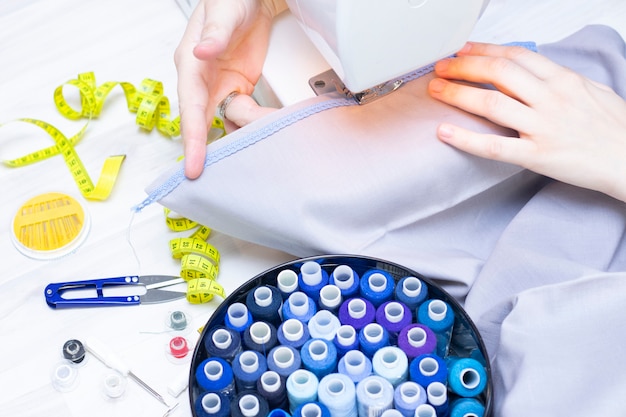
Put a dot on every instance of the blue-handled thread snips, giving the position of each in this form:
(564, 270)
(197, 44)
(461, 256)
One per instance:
(63, 294)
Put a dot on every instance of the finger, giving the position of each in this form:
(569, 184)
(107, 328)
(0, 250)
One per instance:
(244, 110)
(219, 19)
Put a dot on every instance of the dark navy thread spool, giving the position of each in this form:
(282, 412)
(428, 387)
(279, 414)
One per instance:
(260, 336)
(428, 369)
(311, 279)
(249, 404)
(412, 292)
(393, 316)
(417, 339)
(439, 317)
(373, 337)
(319, 356)
(299, 306)
(312, 409)
(265, 303)
(357, 312)
(294, 333)
(283, 360)
(287, 282)
(274, 389)
(248, 366)
(355, 365)
(391, 363)
(301, 388)
(345, 339)
(408, 396)
(238, 317)
(346, 279)
(338, 393)
(74, 351)
(324, 325)
(376, 286)
(330, 298)
(462, 407)
(212, 404)
(216, 375)
(222, 342)
(466, 376)
(437, 396)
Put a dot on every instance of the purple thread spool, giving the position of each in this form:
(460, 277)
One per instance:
(357, 312)
(416, 340)
(393, 316)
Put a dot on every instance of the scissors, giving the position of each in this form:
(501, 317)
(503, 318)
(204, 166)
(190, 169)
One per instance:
(152, 284)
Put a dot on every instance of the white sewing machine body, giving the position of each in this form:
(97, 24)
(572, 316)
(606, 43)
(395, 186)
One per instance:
(370, 42)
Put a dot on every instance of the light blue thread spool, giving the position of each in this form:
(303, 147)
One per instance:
(324, 325)
(301, 388)
(467, 407)
(391, 363)
(346, 279)
(437, 395)
(439, 317)
(294, 333)
(466, 376)
(355, 365)
(319, 356)
(412, 292)
(425, 410)
(299, 306)
(376, 286)
(408, 396)
(338, 393)
(374, 395)
(283, 360)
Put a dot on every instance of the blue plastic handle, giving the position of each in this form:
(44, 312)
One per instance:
(54, 293)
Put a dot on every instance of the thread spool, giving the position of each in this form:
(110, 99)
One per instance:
(357, 312)
(249, 404)
(425, 410)
(437, 395)
(222, 342)
(346, 339)
(294, 333)
(212, 404)
(338, 393)
(374, 395)
(301, 388)
(74, 351)
(324, 325)
(355, 365)
(373, 337)
(330, 298)
(412, 292)
(392, 412)
(248, 366)
(216, 375)
(64, 377)
(287, 282)
(439, 317)
(319, 356)
(273, 388)
(427, 369)
(467, 407)
(312, 409)
(311, 279)
(260, 336)
(391, 363)
(177, 320)
(278, 412)
(178, 349)
(376, 286)
(408, 396)
(416, 340)
(114, 385)
(346, 279)
(283, 360)
(393, 316)
(265, 303)
(466, 376)
(299, 306)
(238, 317)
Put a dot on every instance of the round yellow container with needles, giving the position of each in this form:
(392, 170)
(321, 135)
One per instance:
(49, 226)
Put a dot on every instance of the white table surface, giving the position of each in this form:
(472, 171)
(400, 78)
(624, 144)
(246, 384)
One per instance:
(45, 44)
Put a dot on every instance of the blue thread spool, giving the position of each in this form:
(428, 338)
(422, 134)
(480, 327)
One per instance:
(439, 317)
(248, 366)
(393, 316)
(466, 376)
(338, 393)
(376, 286)
(265, 303)
(311, 279)
(437, 395)
(216, 375)
(427, 369)
(319, 356)
(425, 410)
(212, 404)
(411, 291)
(301, 388)
(274, 389)
(408, 396)
(391, 363)
(293, 333)
(330, 298)
(238, 317)
(260, 336)
(324, 325)
(299, 306)
(283, 360)
(222, 342)
(355, 365)
(346, 280)
(416, 340)
(357, 312)
(467, 407)
(278, 412)
(374, 395)
(345, 339)
(249, 404)
(287, 282)
(312, 409)
(373, 337)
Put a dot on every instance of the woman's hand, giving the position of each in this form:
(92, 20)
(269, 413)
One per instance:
(570, 128)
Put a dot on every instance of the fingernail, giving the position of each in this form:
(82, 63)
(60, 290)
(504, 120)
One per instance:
(445, 131)
(437, 85)
(442, 65)
(466, 48)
